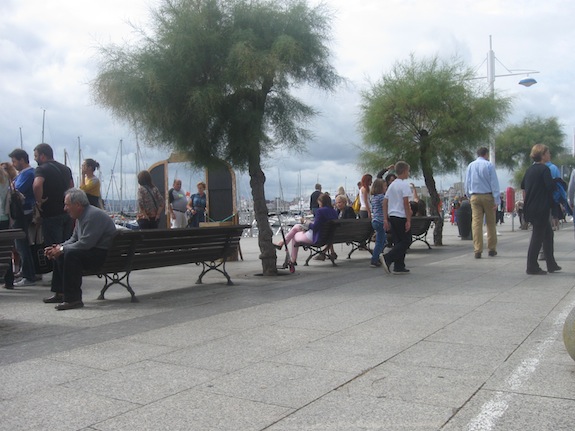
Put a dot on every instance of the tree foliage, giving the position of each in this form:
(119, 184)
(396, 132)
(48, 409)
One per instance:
(514, 143)
(213, 79)
(431, 114)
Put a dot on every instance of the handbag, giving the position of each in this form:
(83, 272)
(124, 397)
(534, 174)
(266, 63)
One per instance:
(42, 265)
(16, 206)
(356, 206)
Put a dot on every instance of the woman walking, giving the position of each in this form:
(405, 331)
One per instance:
(538, 187)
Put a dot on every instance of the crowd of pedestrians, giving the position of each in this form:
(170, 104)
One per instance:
(390, 202)
(75, 231)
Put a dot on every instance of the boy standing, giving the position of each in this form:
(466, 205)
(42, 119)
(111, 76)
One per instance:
(397, 217)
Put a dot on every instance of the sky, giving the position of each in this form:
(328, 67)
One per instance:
(49, 54)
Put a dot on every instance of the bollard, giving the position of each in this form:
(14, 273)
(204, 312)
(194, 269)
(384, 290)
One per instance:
(569, 334)
(464, 220)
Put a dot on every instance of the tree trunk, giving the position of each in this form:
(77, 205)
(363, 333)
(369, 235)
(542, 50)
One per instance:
(427, 170)
(265, 234)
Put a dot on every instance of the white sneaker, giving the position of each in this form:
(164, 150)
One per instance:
(25, 282)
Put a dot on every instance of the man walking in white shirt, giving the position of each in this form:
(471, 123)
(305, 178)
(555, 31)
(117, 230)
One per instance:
(397, 217)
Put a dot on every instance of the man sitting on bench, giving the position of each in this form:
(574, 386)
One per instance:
(86, 249)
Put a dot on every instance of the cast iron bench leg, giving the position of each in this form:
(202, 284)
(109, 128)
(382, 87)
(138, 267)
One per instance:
(215, 267)
(116, 279)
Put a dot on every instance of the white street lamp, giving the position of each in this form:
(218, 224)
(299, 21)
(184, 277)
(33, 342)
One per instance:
(527, 82)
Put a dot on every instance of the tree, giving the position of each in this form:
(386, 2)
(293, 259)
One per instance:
(514, 144)
(214, 80)
(432, 115)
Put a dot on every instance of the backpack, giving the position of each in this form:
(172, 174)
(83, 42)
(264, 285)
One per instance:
(356, 204)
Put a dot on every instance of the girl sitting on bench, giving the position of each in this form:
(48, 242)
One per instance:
(309, 234)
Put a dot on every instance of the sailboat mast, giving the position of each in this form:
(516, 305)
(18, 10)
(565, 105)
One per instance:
(121, 177)
(79, 162)
(43, 122)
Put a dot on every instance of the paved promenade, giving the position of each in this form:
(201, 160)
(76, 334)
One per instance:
(458, 344)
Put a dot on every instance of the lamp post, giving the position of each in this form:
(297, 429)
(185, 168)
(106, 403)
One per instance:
(526, 82)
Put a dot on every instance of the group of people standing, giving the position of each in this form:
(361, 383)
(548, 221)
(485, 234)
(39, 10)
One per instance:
(75, 230)
(386, 203)
(41, 194)
(68, 222)
(184, 210)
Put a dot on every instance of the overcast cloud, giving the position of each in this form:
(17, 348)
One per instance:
(49, 52)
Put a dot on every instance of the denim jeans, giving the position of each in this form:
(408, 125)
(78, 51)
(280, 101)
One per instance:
(379, 240)
(56, 229)
(23, 247)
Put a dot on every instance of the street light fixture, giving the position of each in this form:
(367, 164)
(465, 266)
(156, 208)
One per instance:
(526, 82)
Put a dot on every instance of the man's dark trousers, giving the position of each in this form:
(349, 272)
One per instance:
(68, 268)
(402, 241)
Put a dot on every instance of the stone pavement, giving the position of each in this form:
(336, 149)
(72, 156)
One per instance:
(458, 344)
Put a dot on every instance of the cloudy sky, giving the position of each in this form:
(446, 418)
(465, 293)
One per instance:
(49, 52)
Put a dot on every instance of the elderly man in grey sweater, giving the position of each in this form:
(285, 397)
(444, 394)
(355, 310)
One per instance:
(86, 249)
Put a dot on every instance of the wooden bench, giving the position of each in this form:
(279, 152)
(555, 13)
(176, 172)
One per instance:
(419, 228)
(7, 238)
(356, 233)
(132, 250)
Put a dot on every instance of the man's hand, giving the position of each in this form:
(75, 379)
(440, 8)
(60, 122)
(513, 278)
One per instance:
(53, 252)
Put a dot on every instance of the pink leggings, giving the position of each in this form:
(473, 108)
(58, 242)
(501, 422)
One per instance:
(299, 236)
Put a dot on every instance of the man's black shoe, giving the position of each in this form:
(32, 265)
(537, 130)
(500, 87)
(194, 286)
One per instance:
(402, 271)
(492, 253)
(69, 305)
(556, 268)
(536, 272)
(55, 299)
(478, 255)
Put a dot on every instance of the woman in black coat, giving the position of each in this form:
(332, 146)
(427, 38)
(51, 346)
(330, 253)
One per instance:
(538, 189)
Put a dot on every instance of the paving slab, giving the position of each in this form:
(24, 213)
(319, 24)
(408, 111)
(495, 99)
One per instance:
(143, 382)
(58, 408)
